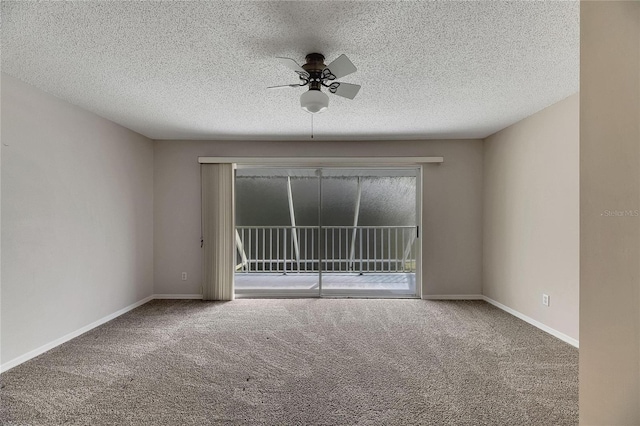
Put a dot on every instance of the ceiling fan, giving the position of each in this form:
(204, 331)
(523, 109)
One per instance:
(315, 74)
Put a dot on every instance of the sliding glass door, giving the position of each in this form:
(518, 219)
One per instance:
(369, 231)
(277, 232)
(309, 232)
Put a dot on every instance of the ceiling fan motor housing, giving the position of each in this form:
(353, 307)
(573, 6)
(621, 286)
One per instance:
(315, 66)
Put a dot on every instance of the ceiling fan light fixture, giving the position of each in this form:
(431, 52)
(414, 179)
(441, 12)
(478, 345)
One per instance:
(314, 101)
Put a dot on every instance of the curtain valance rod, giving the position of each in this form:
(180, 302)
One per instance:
(377, 161)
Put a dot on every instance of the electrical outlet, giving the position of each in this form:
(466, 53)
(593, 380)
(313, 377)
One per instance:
(545, 299)
(184, 276)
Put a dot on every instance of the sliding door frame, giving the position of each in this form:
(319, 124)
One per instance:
(381, 294)
(337, 162)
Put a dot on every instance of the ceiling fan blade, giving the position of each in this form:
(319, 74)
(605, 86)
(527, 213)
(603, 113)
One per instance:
(346, 90)
(341, 67)
(292, 65)
(286, 86)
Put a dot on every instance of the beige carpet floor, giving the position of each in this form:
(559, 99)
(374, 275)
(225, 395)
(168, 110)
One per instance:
(301, 361)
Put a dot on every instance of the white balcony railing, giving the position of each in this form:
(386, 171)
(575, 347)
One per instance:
(285, 249)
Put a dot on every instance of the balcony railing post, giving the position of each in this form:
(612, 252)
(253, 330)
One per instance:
(297, 240)
(360, 239)
(284, 249)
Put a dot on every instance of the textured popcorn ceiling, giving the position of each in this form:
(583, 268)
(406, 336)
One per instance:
(198, 70)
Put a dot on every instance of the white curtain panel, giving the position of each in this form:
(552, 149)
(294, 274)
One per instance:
(218, 231)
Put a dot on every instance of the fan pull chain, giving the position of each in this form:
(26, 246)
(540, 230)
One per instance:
(311, 126)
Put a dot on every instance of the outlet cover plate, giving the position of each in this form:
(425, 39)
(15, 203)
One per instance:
(545, 299)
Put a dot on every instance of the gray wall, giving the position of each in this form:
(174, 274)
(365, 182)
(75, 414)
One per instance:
(531, 216)
(610, 241)
(77, 218)
(452, 206)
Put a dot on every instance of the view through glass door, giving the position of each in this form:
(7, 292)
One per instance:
(308, 232)
(277, 232)
(369, 231)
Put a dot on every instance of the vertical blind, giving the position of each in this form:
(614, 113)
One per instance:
(218, 231)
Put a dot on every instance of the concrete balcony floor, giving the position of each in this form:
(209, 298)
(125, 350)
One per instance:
(338, 283)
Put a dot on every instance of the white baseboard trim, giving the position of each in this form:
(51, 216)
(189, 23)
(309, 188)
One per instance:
(44, 348)
(535, 323)
(453, 297)
(177, 296)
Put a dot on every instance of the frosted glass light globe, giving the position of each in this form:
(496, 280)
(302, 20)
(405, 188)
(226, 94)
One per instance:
(314, 101)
